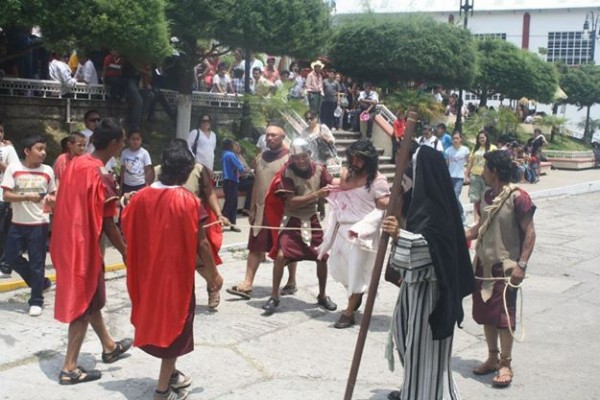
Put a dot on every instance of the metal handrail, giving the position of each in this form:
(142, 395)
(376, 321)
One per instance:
(52, 89)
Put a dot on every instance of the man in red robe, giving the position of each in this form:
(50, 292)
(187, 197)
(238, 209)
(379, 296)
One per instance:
(162, 226)
(86, 205)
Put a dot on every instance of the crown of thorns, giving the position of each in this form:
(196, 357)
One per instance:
(362, 148)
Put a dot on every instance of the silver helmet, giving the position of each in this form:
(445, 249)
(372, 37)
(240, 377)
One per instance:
(299, 146)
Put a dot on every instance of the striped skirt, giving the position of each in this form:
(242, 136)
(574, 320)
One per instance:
(426, 362)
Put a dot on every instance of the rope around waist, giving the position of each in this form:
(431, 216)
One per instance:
(518, 287)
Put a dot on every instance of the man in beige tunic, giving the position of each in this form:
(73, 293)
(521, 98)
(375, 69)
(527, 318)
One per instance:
(268, 163)
(506, 237)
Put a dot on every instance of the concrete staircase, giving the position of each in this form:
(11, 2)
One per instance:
(343, 140)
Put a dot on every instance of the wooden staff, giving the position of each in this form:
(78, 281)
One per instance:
(394, 208)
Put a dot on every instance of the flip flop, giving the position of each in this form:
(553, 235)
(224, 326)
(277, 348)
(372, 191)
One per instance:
(235, 290)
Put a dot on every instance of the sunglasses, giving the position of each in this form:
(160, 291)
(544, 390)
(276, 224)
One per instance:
(310, 118)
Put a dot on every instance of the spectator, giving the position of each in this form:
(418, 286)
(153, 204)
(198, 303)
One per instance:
(75, 147)
(444, 136)
(59, 71)
(86, 72)
(231, 171)
(237, 83)
(203, 142)
(539, 140)
(271, 73)
(399, 129)
(254, 63)
(8, 156)
(314, 87)
(246, 179)
(474, 172)
(27, 187)
(111, 74)
(367, 102)
(91, 119)
(319, 138)
(262, 86)
(457, 156)
(130, 79)
(428, 139)
(136, 165)
(222, 81)
(331, 99)
(297, 91)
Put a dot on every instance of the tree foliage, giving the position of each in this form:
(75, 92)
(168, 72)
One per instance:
(513, 73)
(582, 86)
(391, 50)
(137, 28)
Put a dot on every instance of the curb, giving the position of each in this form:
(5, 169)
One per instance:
(574, 190)
(20, 284)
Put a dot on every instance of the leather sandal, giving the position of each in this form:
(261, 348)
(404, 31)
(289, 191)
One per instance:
(505, 373)
(485, 367)
(214, 299)
(345, 321)
(121, 348)
(79, 375)
(288, 290)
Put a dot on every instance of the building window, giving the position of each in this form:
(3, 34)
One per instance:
(481, 36)
(471, 97)
(569, 47)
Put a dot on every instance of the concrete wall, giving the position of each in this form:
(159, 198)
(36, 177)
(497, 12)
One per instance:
(27, 115)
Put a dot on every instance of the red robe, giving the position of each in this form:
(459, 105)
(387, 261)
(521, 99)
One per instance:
(160, 226)
(87, 194)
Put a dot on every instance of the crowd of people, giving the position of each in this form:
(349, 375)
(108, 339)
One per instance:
(169, 215)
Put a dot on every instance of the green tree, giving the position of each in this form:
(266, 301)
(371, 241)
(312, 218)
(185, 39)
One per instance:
(393, 50)
(582, 86)
(506, 70)
(137, 28)
(280, 27)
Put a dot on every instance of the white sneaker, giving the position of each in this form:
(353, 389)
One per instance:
(35, 311)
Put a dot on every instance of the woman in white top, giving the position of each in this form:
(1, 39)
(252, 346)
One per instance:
(203, 142)
(319, 138)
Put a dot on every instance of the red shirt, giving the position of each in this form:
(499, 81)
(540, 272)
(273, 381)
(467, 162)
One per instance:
(399, 127)
(112, 66)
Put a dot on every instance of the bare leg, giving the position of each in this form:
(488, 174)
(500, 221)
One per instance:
(292, 274)
(97, 322)
(278, 266)
(322, 277)
(254, 259)
(505, 374)
(491, 363)
(352, 304)
(77, 331)
(167, 367)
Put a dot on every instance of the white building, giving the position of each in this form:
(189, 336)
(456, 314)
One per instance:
(554, 29)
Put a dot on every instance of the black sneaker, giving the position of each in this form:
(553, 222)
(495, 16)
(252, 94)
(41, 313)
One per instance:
(117, 353)
(5, 269)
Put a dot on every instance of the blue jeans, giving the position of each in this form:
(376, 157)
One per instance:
(457, 184)
(5, 217)
(32, 239)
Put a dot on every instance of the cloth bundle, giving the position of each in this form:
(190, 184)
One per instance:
(412, 251)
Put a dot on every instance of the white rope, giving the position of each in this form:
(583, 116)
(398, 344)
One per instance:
(518, 287)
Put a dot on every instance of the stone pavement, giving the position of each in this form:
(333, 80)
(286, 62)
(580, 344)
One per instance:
(297, 354)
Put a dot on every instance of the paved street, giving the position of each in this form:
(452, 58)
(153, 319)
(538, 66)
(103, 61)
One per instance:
(297, 354)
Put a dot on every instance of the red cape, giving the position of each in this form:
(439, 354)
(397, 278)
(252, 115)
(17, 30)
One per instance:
(274, 211)
(160, 226)
(76, 229)
(214, 234)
